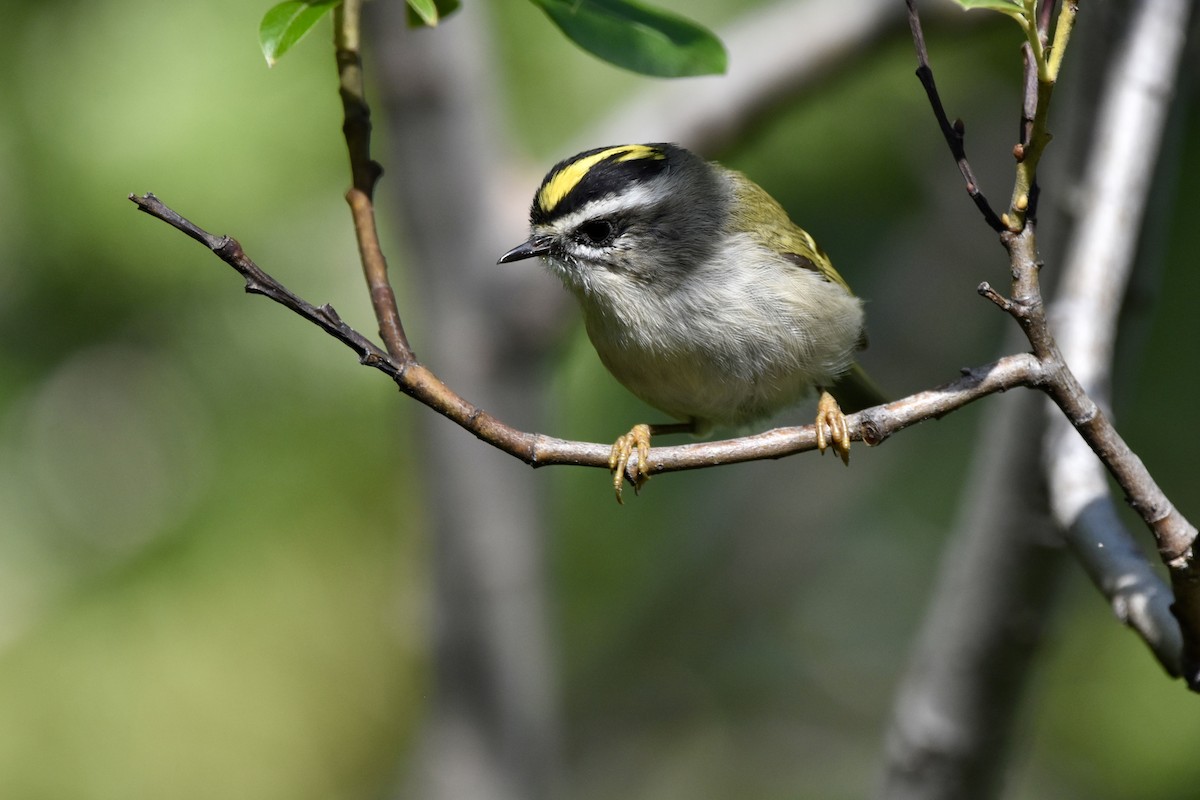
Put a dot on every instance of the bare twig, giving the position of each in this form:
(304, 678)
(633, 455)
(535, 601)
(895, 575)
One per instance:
(1029, 106)
(1174, 534)
(365, 173)
(1096, 270)
(259, 282)
(1045, 14)
(872, 426)
(1024, 194)
(953, 132)
(955, 707)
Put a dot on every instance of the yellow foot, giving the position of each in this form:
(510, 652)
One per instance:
(637, 439)
(831, 428)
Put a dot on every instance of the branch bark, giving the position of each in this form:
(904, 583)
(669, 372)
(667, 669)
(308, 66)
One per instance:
(1140, 85)
(1173, 533)
(872, 426)
(957, 705)
(492, 727)
(953, 132)
(365, 173)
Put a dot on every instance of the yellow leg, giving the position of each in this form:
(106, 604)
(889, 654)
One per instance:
(831, 427)
(622, 462)
(623, 449)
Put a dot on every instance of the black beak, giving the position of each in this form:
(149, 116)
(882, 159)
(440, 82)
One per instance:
(538, 246)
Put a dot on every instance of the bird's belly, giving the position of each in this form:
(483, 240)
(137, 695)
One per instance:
(695, 387)
(717, 372)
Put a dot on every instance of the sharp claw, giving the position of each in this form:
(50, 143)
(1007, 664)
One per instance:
(832, 430)
(619, 460)
(616, 463)
(643, 462)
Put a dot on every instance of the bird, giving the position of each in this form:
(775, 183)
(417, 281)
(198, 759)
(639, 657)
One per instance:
(699, 294)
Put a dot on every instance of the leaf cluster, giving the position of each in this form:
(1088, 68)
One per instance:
(625, 33)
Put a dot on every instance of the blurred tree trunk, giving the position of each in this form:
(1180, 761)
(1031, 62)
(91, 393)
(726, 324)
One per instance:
(492, 731)
(955, 710)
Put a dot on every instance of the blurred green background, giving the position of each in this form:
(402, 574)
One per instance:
(214, 551)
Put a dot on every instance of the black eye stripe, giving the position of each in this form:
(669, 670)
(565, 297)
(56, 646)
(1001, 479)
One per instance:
(596, 231)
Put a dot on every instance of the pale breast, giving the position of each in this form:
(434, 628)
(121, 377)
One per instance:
(730, 347)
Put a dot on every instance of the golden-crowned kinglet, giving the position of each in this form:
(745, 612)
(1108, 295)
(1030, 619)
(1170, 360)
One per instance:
(698, 292)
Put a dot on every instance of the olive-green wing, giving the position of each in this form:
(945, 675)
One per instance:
(757, 213)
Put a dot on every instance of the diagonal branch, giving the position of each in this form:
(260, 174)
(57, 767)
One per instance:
(1174, 534)
(259, 282)
(953, 132)
(872, 426)
(1096, 269)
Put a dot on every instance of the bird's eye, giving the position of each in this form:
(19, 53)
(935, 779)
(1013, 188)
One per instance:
(595, 232)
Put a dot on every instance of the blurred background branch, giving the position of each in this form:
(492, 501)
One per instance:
(493, 726)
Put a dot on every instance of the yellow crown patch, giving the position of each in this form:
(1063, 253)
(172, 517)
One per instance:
(560, 184)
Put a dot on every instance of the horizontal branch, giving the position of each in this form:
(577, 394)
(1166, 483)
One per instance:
(872, 426)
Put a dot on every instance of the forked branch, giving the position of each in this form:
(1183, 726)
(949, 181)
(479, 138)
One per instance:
(365, 173)
(1174, 534)
(872, 426)
(1044, 369)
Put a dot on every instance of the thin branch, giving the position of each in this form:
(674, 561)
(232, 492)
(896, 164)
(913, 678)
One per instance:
(1045, 14)
(954, 133)
(1174, 534)
(1033, 35)
(259, 282)
(1096, 270)
(383, 299)
(1024, 195)
(365, 173)
(872, 426)
(1062, 35)
(1029, 106)
(1029, 98)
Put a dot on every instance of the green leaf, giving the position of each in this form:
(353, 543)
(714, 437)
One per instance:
(638, 38)
(426, 10)
(286, 24)
(429, 12)
(1012, 8)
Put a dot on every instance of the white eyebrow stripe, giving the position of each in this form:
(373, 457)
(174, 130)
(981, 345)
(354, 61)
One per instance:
(632, 198)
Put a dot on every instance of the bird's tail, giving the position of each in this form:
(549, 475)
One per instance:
(855, 391)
